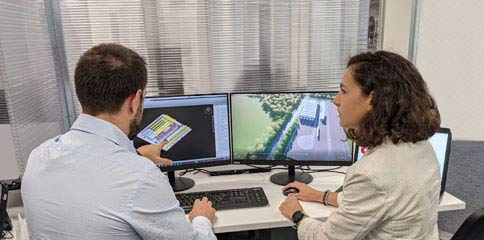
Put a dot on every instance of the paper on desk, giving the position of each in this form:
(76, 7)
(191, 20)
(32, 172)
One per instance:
(21, 233)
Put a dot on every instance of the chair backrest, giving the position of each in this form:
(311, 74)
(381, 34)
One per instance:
(472, 228)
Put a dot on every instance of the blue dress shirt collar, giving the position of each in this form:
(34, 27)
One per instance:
(93, 125)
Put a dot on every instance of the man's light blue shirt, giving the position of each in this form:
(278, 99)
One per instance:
(89, 183)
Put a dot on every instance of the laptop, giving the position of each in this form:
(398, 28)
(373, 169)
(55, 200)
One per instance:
(440, 141)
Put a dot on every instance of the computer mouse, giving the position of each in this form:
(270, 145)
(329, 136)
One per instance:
(290, 190)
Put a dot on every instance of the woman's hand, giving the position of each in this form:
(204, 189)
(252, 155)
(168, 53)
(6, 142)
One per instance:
(290, 206)
(306, 193)
(153, 153)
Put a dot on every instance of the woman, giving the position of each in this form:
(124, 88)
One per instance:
(393, 191)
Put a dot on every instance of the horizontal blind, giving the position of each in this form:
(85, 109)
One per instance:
(28, 76)
(211, 46)
(3, 107)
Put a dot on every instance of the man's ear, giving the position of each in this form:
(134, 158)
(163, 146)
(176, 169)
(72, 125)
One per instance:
(135, 101)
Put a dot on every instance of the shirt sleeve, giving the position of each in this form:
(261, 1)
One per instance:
(203, 225)
(339, 197)
(154, 212)
(361, 208)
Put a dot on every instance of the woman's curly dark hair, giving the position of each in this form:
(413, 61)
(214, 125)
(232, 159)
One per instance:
(402, 108)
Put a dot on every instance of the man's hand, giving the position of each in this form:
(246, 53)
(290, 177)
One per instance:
(202, 208)
(153, 153)
(306, 193)
(290, 206)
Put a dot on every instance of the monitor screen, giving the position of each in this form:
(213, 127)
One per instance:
(439, 142)
(195, 127)
(288, 128)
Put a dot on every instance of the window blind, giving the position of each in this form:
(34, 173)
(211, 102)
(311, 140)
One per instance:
(213, 46)
(191, 46)
(28, 76)
(3, 107)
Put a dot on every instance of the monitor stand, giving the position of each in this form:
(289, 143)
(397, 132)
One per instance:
(283, 178)
(179, 183)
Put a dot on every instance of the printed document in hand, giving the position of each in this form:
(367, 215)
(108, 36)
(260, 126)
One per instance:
(164, 128)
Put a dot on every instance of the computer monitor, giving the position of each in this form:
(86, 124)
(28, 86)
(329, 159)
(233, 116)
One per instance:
(298, 128)
(441, 143)
(196, 128)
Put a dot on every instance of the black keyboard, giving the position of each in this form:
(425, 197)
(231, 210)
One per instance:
(225, 199)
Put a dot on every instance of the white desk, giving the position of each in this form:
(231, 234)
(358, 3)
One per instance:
(269, 216)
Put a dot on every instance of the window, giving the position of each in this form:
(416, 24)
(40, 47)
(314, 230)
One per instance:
(214, 46)
(28, 76)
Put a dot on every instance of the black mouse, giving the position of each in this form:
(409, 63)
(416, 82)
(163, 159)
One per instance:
(290, 190)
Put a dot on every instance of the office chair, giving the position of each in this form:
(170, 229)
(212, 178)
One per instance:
(472, 228)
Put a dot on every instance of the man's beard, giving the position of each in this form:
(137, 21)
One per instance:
(134, 125)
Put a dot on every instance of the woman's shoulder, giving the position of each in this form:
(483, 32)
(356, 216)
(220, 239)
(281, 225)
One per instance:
(389, 155)
(389, 149)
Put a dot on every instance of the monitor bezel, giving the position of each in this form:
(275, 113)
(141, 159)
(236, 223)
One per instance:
(447, 158)
(202, 164)
(283, 162)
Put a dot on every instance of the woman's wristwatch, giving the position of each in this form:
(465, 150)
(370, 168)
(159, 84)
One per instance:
(297, 217)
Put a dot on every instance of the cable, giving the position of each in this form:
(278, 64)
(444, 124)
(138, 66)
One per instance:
(185, 172)
(202, 170)
(333, 170)
(195, 170)
(300, 167)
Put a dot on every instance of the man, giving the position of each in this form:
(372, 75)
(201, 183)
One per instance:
(89, 183)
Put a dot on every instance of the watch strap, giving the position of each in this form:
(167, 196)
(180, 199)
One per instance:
(297, 217)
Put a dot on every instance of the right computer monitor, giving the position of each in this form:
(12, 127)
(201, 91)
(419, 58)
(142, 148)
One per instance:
(298, 128)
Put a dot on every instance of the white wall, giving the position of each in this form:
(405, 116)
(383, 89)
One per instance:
(396, 29)
(450, 56)
(8, 162)
(450, 50)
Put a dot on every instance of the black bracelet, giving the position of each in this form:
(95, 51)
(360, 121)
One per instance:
(325, 197)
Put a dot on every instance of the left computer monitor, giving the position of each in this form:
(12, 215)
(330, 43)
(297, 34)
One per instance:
(196, 128)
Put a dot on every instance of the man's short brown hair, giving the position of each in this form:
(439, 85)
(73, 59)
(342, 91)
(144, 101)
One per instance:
(106, 75)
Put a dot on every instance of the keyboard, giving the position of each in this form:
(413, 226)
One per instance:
(225, 199)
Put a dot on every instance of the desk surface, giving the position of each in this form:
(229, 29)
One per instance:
(269, 216)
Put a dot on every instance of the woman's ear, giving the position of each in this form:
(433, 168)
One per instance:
(370, 100)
